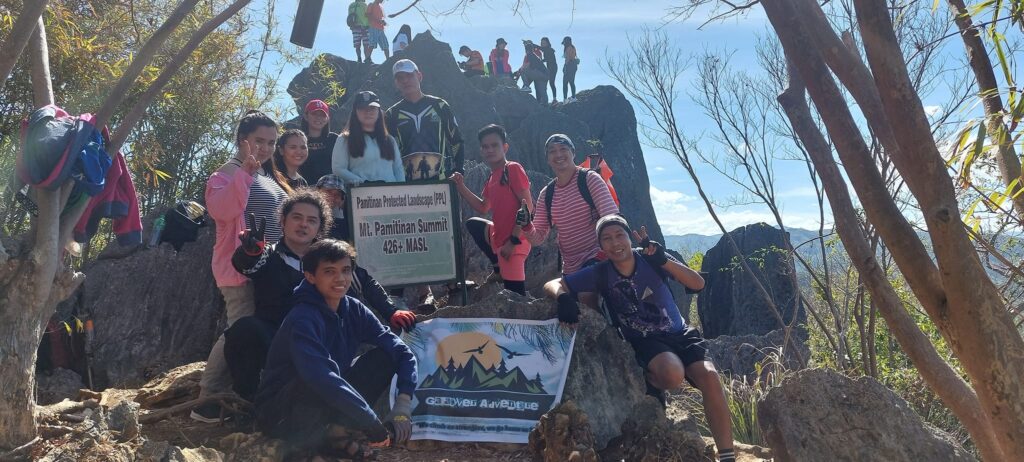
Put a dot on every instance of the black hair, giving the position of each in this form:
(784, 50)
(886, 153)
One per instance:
(251, 121)
(545, 39)
(463, 48)
(326, 250)
(407, 30)
(278, 158)
(492, 129)
(312, 197)
(357, 142)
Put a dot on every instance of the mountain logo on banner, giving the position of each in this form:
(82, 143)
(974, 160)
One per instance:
(473, 376)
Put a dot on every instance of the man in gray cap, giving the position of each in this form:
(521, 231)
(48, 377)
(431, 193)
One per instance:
(424, 123)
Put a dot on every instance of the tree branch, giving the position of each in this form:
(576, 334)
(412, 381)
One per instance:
(24, 27)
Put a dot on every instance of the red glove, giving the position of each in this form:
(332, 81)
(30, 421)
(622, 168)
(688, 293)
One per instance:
(403, 320)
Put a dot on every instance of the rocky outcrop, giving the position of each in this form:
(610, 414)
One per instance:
(56, 385)
(602, 115)
(819, 412)
(153, 309)
(563, 435)
(730, 303)
(740, 355)
(604, 380)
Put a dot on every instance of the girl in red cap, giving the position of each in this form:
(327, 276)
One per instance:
(319, 139)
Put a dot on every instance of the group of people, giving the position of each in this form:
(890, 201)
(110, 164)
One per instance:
(299, 306)
(540, 66)
(366, 21)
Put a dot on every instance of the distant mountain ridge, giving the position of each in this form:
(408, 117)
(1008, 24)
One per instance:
(687, 244)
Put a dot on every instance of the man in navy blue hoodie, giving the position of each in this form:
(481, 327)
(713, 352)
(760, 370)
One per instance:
(310, 381)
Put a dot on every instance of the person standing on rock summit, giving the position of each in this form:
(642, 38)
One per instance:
(375, 15)
(633, 284)
(423, 124)
(359, 24)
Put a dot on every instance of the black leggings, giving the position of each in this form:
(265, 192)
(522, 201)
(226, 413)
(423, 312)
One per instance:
(477, 228)
(300, 417)
(552, 75)
(569, 80)
(246, 345)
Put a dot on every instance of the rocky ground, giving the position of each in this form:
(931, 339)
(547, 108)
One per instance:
(118, 425)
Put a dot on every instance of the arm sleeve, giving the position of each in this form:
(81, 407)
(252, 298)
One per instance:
(340, 162)
(396, 163)
(374, 294)
(250, 265)
(226, 197)
(456, 148)
(537, 231)
(602, 197)
(376, 334)
(321, 374)
(584, 280)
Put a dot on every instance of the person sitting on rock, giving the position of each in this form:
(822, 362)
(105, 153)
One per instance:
(315, 392)
(474, 64)
(572, 205)
(275, 271)
(633, 284)
(507, 190)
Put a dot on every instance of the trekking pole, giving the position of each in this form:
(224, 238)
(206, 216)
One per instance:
(88, 351)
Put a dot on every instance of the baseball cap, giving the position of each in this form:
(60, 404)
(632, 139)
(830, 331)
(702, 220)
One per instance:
(317, 105)
(367, 99)
(559, 138)
(331, 181)
(609, 220)
(404, 65)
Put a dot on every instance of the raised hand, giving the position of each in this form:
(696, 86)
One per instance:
(253, 237)
(653, 251)
(249, 162)
(458, 179)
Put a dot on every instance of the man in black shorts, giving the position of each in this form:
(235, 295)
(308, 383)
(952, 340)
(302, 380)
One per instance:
(633, 284)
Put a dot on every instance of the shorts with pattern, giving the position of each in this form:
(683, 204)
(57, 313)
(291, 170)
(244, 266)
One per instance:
(360, 36)
(378, 39)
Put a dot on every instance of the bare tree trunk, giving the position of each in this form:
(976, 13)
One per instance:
(23, 27)
(42, 86)
(992, 101)
(140, 60)
(807, 65)
(139, 110)
(975, 316)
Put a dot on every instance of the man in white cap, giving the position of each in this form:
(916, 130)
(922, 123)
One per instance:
(424, 123)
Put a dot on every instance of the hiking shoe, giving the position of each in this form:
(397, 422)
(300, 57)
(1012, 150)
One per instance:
(208, 413)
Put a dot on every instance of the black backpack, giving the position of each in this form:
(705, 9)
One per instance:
(581, 183)
(182, 223)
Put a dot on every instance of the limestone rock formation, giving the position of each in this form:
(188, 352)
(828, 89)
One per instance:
(56, 385)
(819, 412)
(154, 309)
(563, 434)
(175, 386)
(730, 303)
(739, 355)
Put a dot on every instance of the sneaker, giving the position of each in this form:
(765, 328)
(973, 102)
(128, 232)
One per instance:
(570, 100)
(209, 413)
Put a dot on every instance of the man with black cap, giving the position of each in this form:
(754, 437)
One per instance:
(424, 123)
(633, 284)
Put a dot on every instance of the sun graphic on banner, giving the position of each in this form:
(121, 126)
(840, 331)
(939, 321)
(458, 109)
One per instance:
(460, 347)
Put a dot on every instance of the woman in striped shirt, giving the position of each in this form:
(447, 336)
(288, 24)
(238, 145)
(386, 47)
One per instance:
(240, 187)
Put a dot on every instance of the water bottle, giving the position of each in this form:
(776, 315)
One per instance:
(158, 228)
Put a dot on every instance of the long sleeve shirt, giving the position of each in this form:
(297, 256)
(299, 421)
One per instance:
(368, 167)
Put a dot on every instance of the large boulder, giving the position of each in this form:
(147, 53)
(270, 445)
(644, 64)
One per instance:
(153, 309)
(819, 412)
(604, 380)
(730, 303)
(740, 355)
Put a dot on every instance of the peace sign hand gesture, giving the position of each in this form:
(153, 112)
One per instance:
(653, 251)
(253, 237)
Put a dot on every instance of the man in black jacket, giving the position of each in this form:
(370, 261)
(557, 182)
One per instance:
(275, 271)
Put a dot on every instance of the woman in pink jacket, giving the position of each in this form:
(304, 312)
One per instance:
(240, 187)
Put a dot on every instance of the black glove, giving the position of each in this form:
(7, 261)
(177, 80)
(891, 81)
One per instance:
(523, 216)
(658, 258)
(568, 309)
(253, 237)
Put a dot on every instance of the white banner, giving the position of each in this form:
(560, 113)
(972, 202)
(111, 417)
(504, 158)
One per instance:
(486, 379)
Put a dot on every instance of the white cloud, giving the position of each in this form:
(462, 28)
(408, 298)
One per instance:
(679, 213)
(801, 192)
(659, 169)
(933, 111)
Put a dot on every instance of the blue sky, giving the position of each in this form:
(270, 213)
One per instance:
(599, 29)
